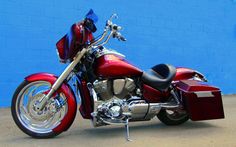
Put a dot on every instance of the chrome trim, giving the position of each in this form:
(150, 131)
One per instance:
(136, 109)
(204, 94)
(197, 78)
(112, 122)
(92, 92)
(118, 86)
(175, 96)
(107, 39)
(106, 51)
(100, 39)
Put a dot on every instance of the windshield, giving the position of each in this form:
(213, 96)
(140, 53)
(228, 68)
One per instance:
(92, 16)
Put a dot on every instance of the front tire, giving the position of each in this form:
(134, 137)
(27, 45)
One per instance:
(172, 117)
(38, 124)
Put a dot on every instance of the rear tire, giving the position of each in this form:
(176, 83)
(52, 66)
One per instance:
(174, 118)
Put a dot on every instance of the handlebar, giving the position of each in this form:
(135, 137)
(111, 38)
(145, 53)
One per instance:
(114, 32)
(119, 36)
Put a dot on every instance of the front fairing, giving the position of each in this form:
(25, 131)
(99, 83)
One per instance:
(73, 42)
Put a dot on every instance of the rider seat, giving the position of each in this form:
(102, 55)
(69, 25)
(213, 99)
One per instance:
(159, 76)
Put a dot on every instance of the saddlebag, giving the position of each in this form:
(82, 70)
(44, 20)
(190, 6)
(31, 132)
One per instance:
(202, 101)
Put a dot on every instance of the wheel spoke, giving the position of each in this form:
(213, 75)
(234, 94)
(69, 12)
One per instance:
(39, 122)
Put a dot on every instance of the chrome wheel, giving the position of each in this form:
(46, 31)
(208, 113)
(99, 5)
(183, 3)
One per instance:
(39, 121)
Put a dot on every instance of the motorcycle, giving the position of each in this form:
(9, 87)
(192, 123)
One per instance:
(112, 91)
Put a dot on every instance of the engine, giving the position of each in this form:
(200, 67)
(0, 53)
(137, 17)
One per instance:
(118, 88)
(114, 102)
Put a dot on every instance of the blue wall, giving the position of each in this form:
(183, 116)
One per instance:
(198, 34)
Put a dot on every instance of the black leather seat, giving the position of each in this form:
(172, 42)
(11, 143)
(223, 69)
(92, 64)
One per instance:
(159, 76)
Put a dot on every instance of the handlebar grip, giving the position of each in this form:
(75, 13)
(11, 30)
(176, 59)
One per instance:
(122, 38)
(119, 36)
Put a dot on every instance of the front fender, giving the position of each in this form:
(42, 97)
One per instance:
(66, 90)
(187, 73)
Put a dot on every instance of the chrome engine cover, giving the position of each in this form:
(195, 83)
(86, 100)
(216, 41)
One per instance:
(117, 110)
(103, 89)
(111, 109)
(119, 88)
(114, 102)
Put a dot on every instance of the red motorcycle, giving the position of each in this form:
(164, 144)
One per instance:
(111, 91)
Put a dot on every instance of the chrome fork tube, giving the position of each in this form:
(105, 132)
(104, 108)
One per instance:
(61, 79)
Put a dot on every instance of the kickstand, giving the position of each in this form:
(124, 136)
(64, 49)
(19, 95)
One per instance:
(127, 129)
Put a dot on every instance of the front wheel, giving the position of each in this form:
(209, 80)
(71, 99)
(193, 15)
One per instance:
(38, 124)
(173, 117)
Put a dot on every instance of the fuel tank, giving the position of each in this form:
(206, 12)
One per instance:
(113, 66)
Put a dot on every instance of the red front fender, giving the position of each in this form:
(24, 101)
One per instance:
(187, 73)
(71, 100)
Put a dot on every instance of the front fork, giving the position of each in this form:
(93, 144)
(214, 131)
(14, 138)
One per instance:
(61, 79)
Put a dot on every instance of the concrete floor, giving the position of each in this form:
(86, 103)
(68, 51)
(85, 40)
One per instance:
(220, 133)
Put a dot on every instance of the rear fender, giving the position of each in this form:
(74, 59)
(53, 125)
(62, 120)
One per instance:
(187, 73)
(66, 89)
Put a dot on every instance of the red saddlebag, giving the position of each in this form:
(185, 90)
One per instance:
(202, 101)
